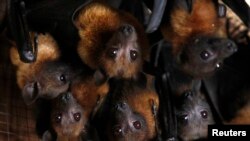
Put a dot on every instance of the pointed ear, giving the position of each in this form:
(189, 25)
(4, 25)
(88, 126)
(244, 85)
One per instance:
(30, 92)
(47, 136)
(197, 85)
(100, 77)
(186, 4)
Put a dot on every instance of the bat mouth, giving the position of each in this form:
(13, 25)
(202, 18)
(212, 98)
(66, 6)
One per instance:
(51, 92)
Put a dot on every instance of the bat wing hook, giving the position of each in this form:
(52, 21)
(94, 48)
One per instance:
(19, 30)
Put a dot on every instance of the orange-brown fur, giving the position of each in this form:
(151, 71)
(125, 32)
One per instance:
(47, 50)
(96, 23)
(203, 20)
(242, 116)
(141, 102)
(88, 94)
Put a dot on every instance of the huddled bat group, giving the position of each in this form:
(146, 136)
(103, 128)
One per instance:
(109, 96)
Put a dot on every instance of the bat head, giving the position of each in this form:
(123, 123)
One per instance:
(203, 55)
(52, 79)
(193, 115)
(122, 56)
(67, 116)
(125, 124)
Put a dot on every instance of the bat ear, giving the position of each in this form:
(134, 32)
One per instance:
(100, 77)
(186, 4)
(47, 136)
(30, 92)
(197, 85)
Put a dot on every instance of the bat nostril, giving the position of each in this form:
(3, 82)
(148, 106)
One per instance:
(231, 47)
(121, 106)
(127, 29)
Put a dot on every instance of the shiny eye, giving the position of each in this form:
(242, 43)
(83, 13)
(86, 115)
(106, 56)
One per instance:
(58, 118)
(62, 78)
(77, 116)
(133, 54)
(205, 55)
(112, 52)
(137, 125)
(117, 130)
(204, 114)
(183, 119)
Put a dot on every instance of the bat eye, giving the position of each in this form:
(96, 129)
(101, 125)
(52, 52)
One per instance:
(112, 53)
(58, 118)
(118, 131)
(137, 124)
(133, 54)
(204, 114)
(77, 116)
(183, 119)
(62, 78)
(205, 55)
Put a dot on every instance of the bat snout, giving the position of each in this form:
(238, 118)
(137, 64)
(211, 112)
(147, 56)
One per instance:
(229, 48)
(127, 29)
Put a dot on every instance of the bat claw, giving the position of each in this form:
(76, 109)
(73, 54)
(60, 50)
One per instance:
(222, 10)
(28, 56)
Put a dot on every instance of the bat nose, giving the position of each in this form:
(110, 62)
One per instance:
(231, 46)
(127, 29)
(121, 106)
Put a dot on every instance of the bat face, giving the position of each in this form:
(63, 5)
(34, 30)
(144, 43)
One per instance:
(67, 116)
(52, 79)
(122, 56)
(125, 124)
(193, 116)
(129, 112)
(203, 55)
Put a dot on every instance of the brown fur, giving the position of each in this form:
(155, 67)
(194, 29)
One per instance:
(96, 24)
(203, 20)
(88, 94)
(68, 129)
(191, 125)
(47, 50)
(242, 116)
(141, 102)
